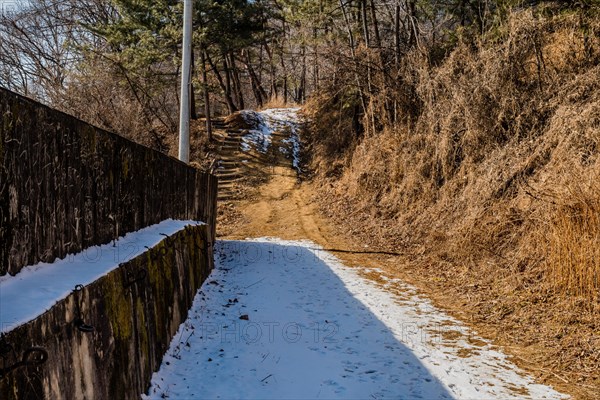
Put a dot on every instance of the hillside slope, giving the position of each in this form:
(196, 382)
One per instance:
(488, 185)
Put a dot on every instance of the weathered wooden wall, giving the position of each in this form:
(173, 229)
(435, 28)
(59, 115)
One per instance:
(133, 326)
(66, 185)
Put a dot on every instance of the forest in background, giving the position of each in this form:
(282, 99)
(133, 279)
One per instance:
(101, 59)
(464, 133)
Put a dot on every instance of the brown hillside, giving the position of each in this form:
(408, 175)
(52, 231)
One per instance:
(489, 186)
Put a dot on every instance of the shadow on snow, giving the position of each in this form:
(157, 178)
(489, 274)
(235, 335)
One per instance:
(305, 335)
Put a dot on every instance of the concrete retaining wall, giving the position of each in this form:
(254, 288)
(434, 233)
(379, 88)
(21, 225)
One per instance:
(66, 185)
(133, 326)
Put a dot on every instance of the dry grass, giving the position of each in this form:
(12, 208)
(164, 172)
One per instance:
(277, 102)
(573, 254)
(492, 188)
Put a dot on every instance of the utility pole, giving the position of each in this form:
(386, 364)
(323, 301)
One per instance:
(186, 62)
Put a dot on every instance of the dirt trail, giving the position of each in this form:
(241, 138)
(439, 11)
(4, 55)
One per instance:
(278, 204)
(281, 208)
(274, 202)
(284, 207)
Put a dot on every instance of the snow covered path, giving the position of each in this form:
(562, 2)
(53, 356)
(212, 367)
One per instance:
(283, 121)
(283, 319)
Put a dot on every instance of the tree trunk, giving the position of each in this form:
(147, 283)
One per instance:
(237, 84)
(365, 27)
(397, 35)
(375, 25)
(260, 63)
(273, 89)
(315, 62)
(353, 53)
(302, 94)
(283, 66)
(230, 104)
(227, 73)
(396, 53)
(411, 7)
(259, 93)
(365, 23)
(206, 95)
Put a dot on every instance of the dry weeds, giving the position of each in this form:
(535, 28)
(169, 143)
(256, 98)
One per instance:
(492, 190)
(277, 102)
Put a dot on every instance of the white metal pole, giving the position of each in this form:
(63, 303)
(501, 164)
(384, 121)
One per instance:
(184, 112)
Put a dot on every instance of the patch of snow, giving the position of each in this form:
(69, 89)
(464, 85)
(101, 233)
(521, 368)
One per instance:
(280, 120)
(35, 289)
(284, 319)
(260, 137)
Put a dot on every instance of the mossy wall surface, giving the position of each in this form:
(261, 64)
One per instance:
(66, 185)
(133, 326)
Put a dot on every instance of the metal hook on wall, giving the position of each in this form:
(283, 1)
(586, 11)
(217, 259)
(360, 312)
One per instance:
(168, 238)
(171, 242)
(133, 278)
(79, 324)
(32, 356)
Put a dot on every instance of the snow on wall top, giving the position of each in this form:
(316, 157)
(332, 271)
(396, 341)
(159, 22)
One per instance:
(37, 288)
